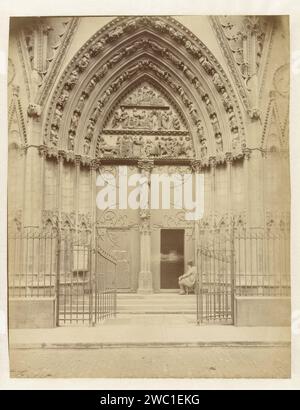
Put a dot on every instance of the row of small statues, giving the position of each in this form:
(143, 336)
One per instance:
(145, 119)
(136, 146)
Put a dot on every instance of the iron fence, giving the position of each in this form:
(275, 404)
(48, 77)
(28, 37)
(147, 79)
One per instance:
(215, 284)
(105, 285)
(240, 262)
(63, 264)
(32, 267)
(262, 263)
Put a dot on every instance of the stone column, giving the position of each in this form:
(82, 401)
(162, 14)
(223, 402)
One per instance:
(60, 165)
(256, 210)
(229, 161)
(145, 275)
(76, 190)
(33, 173)
(197, 169)
(145, 282)
(95, 164)
(247, 153)
(213, 164)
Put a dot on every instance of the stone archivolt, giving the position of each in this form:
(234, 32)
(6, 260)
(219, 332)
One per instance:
(71, 98)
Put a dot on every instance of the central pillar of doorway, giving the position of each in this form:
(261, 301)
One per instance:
(145, 282)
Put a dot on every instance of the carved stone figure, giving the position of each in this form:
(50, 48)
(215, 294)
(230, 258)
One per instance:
(137, 146)
(217, 81)
(115, 34)
(121, 118)
(159, 25)
(54, 136)
(96, 48)
(152, 148)
(133, 48)
(107, 149)
(34, 110)
(236, 140)
(154, 121)
(187, 72)
(182, 148)
(193, 49)
(156, 48)
(193, 111)
(80, 104)
(208, 67)
(98, 109)
(126, 149)
(209, 106)
(219, 142)
(57, 116)
(233, 122)
(200, 130)
(86, 147)
(203, 148)
(215, 124)
(131, 71)
(71, 82)
(63, 98)
(84, 62)
(226, 101)
(74, 121)
(91, 85)
(116, 58)
(90, 130)
(176, 123)
(182, 94)
(71, 140)
(175, 34)
(166, 119)
(174, 60)
(131, 25)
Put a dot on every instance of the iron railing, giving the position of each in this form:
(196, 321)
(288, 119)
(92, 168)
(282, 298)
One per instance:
(240, 262)
(215, 284)
(262, 263)
(63, 265)
(32, 265)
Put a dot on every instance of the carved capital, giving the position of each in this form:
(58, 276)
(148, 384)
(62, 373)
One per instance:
(95, 164)
(213, 162)
(77, 160)
(196, 166)
(247, 153)
(60, 156)
(42, 151)
(229, 157)
(146, 165)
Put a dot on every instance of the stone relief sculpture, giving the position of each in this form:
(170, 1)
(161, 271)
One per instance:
(146, 109)
(151, 111)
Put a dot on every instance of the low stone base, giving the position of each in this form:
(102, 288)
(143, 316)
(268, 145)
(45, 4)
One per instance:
(31, 313)
(262, 311)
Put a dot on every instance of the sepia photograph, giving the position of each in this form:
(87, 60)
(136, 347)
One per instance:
(149, 197)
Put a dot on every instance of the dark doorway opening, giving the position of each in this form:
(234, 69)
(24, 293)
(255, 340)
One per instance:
(172, 257)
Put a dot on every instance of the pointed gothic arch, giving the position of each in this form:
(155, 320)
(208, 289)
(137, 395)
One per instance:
(181, 65)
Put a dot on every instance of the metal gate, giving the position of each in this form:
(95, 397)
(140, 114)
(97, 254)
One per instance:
(215, 284)
(86, 285)
(240, 262)
(63, 264)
